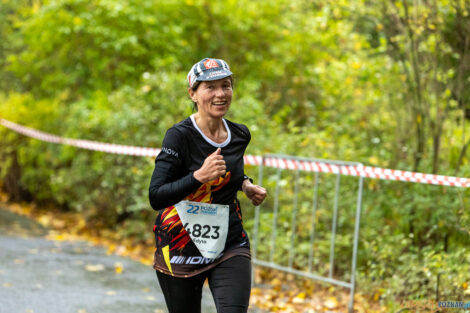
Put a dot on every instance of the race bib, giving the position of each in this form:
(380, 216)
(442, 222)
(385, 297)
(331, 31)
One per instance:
(206, 224)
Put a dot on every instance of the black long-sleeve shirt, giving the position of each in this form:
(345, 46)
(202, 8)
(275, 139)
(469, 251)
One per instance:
(184, 149)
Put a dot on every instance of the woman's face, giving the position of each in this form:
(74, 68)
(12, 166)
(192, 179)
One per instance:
(213, 98)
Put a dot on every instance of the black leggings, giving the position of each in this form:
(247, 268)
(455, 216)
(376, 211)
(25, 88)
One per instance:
(229, 281)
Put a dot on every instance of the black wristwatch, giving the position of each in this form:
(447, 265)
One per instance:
(245, 178)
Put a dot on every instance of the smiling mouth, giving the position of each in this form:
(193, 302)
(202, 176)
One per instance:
(219, 103)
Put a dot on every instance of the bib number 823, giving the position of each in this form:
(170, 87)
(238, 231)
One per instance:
(203, 231)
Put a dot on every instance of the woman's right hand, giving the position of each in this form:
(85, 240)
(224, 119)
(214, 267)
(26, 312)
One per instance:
(213, 167)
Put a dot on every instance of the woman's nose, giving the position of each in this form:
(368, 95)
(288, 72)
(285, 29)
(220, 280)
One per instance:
(219, 92)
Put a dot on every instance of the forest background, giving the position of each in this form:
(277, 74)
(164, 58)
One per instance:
(386, 83)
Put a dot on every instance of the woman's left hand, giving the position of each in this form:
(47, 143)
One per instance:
(255, 193)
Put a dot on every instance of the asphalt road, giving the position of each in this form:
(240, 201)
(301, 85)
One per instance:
(43, 276)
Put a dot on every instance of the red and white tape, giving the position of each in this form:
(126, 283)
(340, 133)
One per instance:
(84, 144)
(357, 170)
(269, 161)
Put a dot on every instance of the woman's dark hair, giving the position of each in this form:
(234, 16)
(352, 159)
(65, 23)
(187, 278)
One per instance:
(194, 88)
(196, 85)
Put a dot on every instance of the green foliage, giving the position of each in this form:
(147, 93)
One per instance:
(379, 82)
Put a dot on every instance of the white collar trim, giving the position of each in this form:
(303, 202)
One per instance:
(213, 143)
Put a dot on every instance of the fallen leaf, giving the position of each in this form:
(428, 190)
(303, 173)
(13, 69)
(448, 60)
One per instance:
(331, 303)
(7, 285)
(121, 250)
(58, 223)
(377, 296)
(45, 220)
(81, 311)
(276, 282)
(94, 267)
(19, 261)
(151, 298)
(146, 289)
(118, 267)
(111, 293)
(300, 298)
(111, 249)
(58, 237)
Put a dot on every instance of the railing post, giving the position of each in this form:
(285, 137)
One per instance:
(275, 213)
(294, 219)
(314, 218)
(355, 244)
(333, 226)
(255, 230)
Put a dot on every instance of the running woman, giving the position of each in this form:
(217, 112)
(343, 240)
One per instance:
(198, 230)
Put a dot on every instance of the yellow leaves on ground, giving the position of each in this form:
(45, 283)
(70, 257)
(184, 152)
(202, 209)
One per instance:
(72, 226)
(111, 293)
(287, 293)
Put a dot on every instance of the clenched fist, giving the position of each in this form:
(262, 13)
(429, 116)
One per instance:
(255, 193)
(213, 167)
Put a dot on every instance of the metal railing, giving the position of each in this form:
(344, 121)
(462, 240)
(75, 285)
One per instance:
(290, 268)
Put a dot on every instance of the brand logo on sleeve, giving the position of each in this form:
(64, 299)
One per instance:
(170, 151)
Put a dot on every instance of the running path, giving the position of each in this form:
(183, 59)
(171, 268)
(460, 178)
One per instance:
(43, 276)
